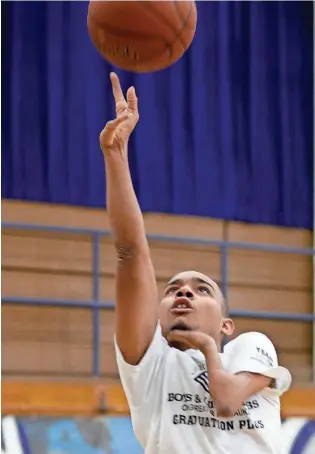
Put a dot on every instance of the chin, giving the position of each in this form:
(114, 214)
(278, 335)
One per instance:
(181, 325)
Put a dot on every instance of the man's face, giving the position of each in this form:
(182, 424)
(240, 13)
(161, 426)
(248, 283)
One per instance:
(192, 301)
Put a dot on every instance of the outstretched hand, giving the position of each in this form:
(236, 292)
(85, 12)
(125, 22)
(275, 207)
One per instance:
(115, 135)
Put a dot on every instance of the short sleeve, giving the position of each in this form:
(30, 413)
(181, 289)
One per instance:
(143, 379)
(254, 352)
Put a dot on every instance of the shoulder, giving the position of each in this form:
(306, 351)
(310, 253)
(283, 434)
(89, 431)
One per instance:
(254, 345)
(250, 339)
(254, 352)
(252, 335)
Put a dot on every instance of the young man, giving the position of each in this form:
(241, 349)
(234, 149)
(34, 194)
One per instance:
(185, 395)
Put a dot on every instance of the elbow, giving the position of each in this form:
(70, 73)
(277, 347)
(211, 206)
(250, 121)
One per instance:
(224, 410)
(226, 406)
(128, 251)
(227, 400)
(124, 252)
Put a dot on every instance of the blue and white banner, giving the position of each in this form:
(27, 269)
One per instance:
(112, 435)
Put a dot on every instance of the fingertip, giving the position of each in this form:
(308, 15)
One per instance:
(131, 94)
(113, 77)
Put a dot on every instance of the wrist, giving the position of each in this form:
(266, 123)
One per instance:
(116, 154)
(209, 346)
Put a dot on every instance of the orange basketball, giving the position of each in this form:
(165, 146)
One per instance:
(142, 36)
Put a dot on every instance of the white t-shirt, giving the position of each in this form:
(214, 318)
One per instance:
(171, 408)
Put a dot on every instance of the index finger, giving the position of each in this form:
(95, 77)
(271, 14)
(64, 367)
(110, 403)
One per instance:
(117, 91)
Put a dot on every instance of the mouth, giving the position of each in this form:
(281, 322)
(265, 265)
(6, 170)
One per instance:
(181, 305)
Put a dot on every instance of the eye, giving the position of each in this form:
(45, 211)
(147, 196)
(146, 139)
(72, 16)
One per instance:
(171, 290)
(203, 289)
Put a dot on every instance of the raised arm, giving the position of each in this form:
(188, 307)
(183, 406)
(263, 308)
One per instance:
(136, 290)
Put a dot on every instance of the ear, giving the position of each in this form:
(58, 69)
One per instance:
(228, 327)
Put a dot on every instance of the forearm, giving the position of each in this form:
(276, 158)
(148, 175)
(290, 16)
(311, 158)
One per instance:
(124, 212)
(227, 390)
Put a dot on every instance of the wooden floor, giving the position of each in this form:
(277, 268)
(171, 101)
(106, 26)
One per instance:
(57, 342)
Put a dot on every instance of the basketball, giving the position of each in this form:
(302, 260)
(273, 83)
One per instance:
(142, 36)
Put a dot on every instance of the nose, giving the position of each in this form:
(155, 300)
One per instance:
(184, 292)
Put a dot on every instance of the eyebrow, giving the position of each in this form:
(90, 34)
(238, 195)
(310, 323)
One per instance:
(174, 282)
(196, 279)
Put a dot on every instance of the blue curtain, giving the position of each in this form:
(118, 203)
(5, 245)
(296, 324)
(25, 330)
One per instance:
(226, 132)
